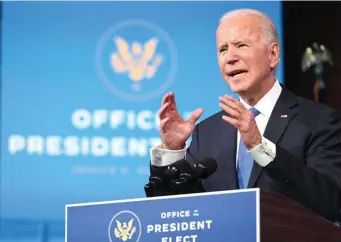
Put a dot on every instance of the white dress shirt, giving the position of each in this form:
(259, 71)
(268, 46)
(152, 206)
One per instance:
(263, 154)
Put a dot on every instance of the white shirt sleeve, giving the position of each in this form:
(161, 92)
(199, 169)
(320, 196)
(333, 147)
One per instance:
(163, 157)
(264, 153)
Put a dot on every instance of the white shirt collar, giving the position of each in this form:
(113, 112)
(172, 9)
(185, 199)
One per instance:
(267, 103)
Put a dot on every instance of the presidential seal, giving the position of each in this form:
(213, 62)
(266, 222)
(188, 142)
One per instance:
(125, 226)
(136, 60)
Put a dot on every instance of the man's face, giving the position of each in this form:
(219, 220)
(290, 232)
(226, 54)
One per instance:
(244, 59)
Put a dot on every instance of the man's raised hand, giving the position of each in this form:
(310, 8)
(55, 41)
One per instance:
(174, 131)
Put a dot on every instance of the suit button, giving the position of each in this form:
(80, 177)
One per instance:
(291, 183)
(286, 179)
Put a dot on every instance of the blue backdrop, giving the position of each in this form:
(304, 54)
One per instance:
(81, 86)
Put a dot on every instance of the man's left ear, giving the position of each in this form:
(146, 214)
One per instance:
(274, 55)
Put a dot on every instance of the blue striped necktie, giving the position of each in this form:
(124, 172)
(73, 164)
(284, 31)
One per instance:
(245, 161)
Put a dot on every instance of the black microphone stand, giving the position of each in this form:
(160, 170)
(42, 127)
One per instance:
(190, 182)
(161, 185)
(179, 178)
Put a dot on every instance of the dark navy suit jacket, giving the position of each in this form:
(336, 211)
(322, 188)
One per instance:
(307, 167)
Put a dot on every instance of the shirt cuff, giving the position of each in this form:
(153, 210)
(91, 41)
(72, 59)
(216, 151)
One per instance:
(163, 157)
(264, 153)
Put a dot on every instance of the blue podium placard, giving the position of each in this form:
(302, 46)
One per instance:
(229, 216)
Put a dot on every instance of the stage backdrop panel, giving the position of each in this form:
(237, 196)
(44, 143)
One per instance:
(81, 86)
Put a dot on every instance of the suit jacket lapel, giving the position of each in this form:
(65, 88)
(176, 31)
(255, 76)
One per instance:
(281, 115)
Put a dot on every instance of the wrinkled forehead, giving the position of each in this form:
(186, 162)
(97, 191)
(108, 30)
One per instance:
(241, 27)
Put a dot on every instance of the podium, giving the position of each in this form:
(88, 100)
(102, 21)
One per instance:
(247, 215)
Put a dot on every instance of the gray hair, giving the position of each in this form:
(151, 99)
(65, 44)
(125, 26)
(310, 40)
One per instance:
(268, 27)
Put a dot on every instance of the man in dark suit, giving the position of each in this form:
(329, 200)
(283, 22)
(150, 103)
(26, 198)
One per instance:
(269, 138)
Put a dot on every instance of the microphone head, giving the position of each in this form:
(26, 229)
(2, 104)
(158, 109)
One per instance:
(172, 172)
(205, 168)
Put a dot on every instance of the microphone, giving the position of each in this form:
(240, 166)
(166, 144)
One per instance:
(179, 178)
(205, 168)
(194, 175)
(155, 183)
(161, 177)
(170, 171)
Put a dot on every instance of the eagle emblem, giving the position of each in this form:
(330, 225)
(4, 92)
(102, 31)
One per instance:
(124, 231)
(138, 61)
